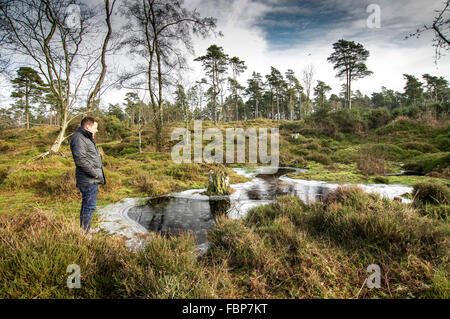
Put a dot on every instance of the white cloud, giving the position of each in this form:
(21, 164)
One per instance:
(390, 54)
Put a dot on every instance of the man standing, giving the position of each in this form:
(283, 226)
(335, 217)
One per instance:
(89, 168)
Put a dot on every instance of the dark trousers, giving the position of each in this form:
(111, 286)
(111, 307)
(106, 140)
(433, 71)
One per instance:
(88, 204)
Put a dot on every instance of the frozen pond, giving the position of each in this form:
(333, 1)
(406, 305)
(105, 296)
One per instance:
(191, 211)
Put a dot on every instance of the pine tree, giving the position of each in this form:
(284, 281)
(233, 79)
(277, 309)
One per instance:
(215, 64)
(237, 67)
(293, 87)
(413, 89)
(349, 59)
(320, 92)
(275, 80)
(28, 85)
(255, 91)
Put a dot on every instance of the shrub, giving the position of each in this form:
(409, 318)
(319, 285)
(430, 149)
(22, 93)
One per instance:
(146, 184)
(319, 158)
(431, 193)
(349, 121)
(427, 163)
(406, 126)
(378, 117)
(370, 164)
(344, 195)
(240, 245)
(442, 142)
(410, 111)
(167, 268)
(381, 180)
(422, 147)
(346, 156)
(436, 211)
(63, 185)
(386, 151)
(184, 171)
(128, 150)
(312, 145)
(291, 126)
(114, 128)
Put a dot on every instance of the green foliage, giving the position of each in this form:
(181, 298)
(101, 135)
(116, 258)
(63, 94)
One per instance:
(346, 156)
(312, 145)
(319, 158)
(291, 126)
(381, 180)
(442, 141)
(166, 268)
(385, 151)
(427, 163)
(114, 127)
(419, 146)
(413, 89)
(406, 125)
(436, 211)
(128, 150)
(349, 229)
(349, 59)
(378, 117)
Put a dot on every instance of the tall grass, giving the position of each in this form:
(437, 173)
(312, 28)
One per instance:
(282, 250)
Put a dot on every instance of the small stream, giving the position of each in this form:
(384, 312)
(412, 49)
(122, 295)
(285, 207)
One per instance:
(191, 211)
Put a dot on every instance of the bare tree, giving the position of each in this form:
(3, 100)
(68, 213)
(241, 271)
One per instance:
(308, 79)
(440, 27)
(57, 37)
(154, 32)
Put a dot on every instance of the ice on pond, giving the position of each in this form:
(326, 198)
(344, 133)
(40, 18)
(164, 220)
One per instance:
(195, 212)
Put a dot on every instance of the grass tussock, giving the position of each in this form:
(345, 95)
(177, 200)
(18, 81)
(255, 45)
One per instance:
(432, 199)
(37, 248)
(282, 250)
(323, 250)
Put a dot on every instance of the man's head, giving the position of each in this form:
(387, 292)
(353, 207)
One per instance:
(90, 124)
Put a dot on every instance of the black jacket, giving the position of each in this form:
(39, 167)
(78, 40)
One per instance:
(89, 168)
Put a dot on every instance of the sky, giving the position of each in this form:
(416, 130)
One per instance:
(291, 34)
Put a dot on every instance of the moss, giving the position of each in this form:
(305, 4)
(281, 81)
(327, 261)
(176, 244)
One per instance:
(386, 151)
(442, 142)
(419, 146)
(343, 174)
(312, 145)
(405, 125)
(346, 156)
(427, 163)
(319, 158)
(381, 180)
(218, 183)
(411, 180)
